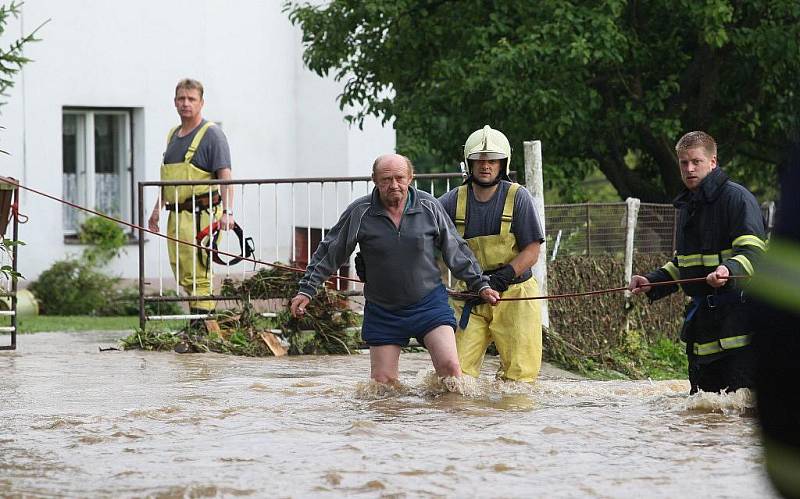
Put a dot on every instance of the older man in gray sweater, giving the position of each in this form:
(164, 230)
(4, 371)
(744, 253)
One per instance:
(398, 228)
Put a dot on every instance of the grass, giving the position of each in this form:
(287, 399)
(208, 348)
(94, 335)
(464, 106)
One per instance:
(51, 323)
(656, 358)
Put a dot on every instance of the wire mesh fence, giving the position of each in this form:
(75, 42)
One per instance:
(600, 228)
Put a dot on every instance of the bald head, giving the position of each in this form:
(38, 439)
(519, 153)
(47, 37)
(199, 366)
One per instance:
(392, 160)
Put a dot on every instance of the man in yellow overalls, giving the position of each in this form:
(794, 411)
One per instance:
(196, 150)
(499, 222)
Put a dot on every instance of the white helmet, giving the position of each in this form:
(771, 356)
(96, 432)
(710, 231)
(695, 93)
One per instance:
(488, 143)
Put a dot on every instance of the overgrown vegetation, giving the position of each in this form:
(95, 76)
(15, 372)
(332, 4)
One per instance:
(589, 334)
(329, 325)
(78, 286)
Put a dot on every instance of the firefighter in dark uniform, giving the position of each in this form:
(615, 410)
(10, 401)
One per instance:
(775, 318)
(720, 233)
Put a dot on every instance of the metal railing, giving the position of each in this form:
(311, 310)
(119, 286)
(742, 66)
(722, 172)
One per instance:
(286, 218)
(9, 200)
(601, 228)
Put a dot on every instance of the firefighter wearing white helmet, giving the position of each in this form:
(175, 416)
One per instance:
(487, 144)
(498, 220)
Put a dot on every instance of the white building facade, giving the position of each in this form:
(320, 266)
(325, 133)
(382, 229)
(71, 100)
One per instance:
(87, 119)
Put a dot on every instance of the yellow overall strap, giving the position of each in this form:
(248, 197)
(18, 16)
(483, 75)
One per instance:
(461, 209)
(508, 209)
(196, 142)
(171, 133)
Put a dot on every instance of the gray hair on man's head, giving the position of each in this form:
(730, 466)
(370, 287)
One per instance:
(383, 157)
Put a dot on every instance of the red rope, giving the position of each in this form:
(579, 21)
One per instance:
(454, 294)
(468, 296)
(165, 236)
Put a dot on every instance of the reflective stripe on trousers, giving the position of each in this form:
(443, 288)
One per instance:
(722, 344)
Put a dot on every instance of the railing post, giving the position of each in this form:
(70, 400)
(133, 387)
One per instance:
(534, 182)
(140, 196)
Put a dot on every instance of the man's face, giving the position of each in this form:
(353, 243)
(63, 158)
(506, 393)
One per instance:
(485, 170)
(188, 103)
(392, 178)
(695, 164)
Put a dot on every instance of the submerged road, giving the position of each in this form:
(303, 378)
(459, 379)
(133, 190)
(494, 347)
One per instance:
(77, 422)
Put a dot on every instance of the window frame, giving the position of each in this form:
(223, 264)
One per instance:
(85, 159)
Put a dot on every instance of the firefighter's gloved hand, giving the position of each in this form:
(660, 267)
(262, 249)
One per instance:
(361, 269)
(502, 278)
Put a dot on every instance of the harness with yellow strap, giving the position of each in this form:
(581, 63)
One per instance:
(492, 251)
(177, 196)
(192, 198)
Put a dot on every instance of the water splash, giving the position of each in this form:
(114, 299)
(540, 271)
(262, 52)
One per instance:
(431, 384)
(741, 402)
(372, 390)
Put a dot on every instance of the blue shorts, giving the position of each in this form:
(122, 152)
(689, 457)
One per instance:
(396, 327)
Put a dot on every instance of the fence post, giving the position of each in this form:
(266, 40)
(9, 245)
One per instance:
(630, 233)
(588, 231)
(769, 207)
(534, 182)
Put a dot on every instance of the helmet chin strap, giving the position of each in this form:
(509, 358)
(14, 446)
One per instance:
(494, 182)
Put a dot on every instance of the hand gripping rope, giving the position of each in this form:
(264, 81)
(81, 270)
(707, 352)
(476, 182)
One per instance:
(245, 255)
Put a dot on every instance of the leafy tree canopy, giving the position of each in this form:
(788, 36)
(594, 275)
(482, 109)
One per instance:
(609, 85)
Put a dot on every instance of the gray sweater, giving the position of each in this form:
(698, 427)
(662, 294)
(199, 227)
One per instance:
(400, 263)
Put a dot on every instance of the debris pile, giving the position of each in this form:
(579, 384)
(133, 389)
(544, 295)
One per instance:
(328, 327)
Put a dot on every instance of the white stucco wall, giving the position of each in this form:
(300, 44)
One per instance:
(281, 120)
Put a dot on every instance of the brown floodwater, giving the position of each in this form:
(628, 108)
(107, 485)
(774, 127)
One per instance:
(77, 422)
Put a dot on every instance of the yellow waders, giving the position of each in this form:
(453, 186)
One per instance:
(514, 326)
(192, 274)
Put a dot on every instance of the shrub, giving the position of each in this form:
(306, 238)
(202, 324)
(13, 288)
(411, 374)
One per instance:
(103, 238)
(76, 287)
(638, 340)
(71, 287)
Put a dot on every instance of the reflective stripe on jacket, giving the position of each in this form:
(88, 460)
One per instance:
(720, 224)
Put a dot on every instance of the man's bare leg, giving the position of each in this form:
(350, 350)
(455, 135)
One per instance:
(384, 361)
(441, 344)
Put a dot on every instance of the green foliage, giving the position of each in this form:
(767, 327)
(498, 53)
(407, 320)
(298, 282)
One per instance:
(71, 287)
(151, 339)
(103, 238)
(77, 287)
(240, 335)
(597, 82)
(7, 272)
(328, 327)
(11, 58)
(599, 336)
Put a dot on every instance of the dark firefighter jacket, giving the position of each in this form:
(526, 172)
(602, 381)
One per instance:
(720, 224)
